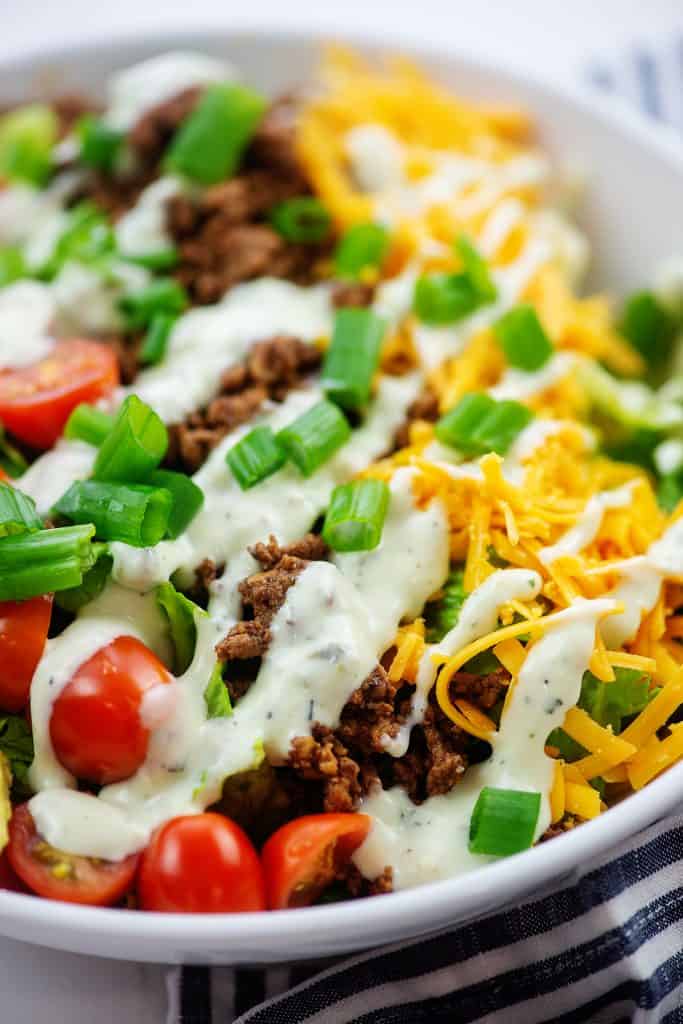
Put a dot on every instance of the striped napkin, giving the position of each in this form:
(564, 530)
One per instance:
(607, 949)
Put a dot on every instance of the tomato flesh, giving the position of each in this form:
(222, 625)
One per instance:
(23, 632)
(9, 879)
(202, 864)
(36, 400)
(97, 727)
(63, 876)
(305, 855)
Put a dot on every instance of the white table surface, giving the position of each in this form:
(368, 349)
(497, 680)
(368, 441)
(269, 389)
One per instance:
(556, 40)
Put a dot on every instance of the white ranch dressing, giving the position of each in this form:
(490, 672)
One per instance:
(429, 842)
(668, 456)
(23, 211)
(641, 582)
(206, 341)
(500, 223)
(326, 638)
(142, 229)
(47, 479)
(134, 90)
(522, 385)
(87, 299)
(478, 616)
(27, 309)
(376, 157)
(586, 528)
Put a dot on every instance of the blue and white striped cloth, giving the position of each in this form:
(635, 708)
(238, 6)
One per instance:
(607, 949)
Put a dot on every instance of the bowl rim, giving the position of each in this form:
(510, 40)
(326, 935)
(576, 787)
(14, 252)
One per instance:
(432, 905)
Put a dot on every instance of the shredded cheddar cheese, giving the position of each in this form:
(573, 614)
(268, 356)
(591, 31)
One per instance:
(504, 510)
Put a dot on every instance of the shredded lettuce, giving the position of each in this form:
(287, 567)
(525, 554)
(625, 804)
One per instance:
(216, 695)
(441, 615)
(181, 615)
(629, 403)
(611, 703)
(650, 328)
(608, 704)
(11, 460)
(16, 746)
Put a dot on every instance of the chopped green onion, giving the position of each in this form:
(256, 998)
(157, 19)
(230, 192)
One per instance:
(216, 695)
(442, 299)
(187, 498)
(155, 341)
(443, 613)
(133, 513)
(522, 338)
(500, 428)
(45, 561)
(100, 144)
(610, 703)
(479, 424)
(208, 146)
(86, 423)
(503, 821)
(650, 327)
(87, 238)
(356, 514)
(314, 436)
(303, 219)
(157, 260)
(457, 427)
(12, 265)
(255, 456)
(180, 614)
(476, 270)
(17, 512)
(362, 248)
(12, 461)
(161, 296)
(135, 445)
(94, 582)
(352, 357)
(27, 136)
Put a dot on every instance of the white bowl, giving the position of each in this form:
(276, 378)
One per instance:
(632, 214)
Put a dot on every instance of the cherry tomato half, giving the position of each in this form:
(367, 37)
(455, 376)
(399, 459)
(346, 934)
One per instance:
(23, 632)
(304, 856)
(9, 880)
(97, 728)
(202, 864)
(63, 876)
(36, 400)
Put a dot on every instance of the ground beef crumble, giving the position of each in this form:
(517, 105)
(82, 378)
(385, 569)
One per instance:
(225, 237)
(263, 594)
(425, 407)
(272, 368)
